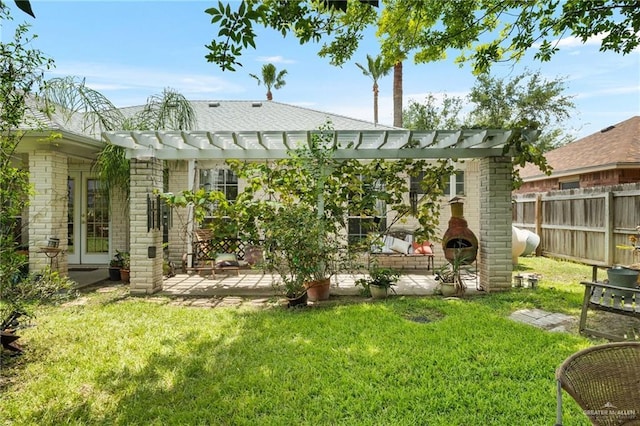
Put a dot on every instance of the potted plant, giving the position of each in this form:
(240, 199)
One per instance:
(299, 250)
(379, 282)
(114, 267)
(125, 267)
(449, 277)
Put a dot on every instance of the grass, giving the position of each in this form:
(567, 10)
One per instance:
(402, 361)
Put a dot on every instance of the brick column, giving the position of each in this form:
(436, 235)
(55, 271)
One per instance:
(495, 265)
(48, 173)
(146, 272)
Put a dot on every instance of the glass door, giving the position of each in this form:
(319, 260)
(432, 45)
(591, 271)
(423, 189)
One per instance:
(73, 217)
(88, 220)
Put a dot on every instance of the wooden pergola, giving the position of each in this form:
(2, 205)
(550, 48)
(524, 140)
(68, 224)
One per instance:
(147, 149)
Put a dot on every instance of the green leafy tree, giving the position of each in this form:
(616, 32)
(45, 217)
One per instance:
(433, 115)
(430, 28)
(526, 101)
(271, 78)
(21, 72)
(23, 5)
(375, 70)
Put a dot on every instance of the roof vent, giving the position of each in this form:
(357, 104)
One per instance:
(256, 104)
(606, 129)
(214, 104)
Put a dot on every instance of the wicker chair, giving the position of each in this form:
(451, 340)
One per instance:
(605, 382)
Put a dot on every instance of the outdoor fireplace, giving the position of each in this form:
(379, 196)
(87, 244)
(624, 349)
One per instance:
(458, 240)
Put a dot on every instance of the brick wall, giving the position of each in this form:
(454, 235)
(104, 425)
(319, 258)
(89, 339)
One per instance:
(495, 263)
(48, 172)
(178, 232)
(146, 272)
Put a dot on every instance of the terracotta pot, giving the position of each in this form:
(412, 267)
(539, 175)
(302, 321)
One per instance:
(318, 290)
(124, 275)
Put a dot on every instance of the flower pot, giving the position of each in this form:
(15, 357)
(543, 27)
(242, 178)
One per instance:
(114, 274)
(623, 277)
(448, 289)
(124, 275)
(378, 292)
(318, 290)
(300, 300)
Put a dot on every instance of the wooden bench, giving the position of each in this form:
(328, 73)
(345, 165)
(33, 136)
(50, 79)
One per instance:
(609, 298)
(387, 249)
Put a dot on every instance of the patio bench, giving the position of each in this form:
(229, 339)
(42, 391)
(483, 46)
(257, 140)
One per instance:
(608, 298)
(392, 247)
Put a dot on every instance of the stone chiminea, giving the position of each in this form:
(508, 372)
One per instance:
(458, 240)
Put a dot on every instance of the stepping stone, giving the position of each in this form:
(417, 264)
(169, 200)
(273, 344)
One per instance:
(549, 321)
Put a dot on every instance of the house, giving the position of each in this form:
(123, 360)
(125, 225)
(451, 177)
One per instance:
(68, 203)
(608, 157)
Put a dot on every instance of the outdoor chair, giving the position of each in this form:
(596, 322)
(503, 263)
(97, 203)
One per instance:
(205, 257)
(605, 382)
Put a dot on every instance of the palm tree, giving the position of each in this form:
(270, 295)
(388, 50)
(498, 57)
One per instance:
(375, 69)
(397, 94)
(71, 98)
(271, 79)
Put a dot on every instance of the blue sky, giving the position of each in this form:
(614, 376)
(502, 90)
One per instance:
(130, 50)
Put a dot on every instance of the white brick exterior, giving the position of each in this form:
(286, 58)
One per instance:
(146, 272)
(119, 222)
(179, 230)
(48, 172)
(495, 264)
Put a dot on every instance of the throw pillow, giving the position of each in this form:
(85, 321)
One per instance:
(400, 246)
(422, 248)
(226, 259)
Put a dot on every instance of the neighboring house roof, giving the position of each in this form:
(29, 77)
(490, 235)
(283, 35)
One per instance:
(217, 115)
(613, 147)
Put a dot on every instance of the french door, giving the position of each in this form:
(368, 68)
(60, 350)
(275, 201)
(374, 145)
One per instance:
(88, 220)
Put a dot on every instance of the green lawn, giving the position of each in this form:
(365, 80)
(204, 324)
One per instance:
(403, 361)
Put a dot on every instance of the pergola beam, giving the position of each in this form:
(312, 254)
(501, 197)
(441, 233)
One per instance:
(274, 145)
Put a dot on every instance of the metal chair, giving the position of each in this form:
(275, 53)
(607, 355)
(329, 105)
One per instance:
(605, 382)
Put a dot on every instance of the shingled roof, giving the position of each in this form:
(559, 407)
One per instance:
(612, 147)
(230, 115)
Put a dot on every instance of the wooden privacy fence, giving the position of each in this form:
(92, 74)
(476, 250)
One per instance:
(583, 225)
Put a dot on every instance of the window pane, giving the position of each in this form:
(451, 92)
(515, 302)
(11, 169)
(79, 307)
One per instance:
(222, 180)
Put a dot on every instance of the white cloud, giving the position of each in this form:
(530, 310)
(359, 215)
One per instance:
(275, 60)
(117, 81)
(620, 90)
(573, 41)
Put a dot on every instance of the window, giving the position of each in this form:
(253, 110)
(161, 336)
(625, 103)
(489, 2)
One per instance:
(456, 184)
(570, 185)
(360, 225)
(454, 188)
(223, 180)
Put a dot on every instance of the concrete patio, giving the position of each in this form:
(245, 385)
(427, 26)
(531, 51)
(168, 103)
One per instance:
(256, 284)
